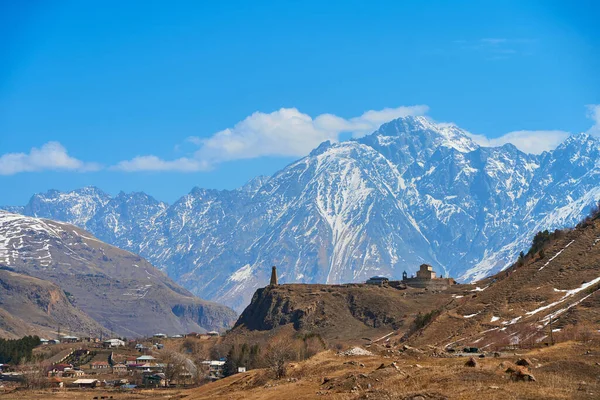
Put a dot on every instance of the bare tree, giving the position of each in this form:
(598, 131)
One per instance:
(35, 375)
(176, 366)
(279, 352)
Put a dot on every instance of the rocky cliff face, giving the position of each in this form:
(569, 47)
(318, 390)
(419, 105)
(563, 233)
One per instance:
(120, 290)
(337, 312)
(412, 192)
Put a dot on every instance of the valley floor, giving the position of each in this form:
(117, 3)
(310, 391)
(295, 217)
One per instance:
(565, 371)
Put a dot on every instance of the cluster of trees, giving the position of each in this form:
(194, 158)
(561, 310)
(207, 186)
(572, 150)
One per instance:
(248, 356)
(422, 320)
(543, 237)
(275, 355)
(15, 351)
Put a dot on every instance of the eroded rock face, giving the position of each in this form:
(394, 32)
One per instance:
(337, 312)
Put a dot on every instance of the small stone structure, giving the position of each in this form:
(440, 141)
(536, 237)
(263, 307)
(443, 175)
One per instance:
(378, 280)
(425, 272)
(426, 279)
(273, 276)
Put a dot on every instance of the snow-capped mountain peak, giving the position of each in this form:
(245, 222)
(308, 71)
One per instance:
(412, 192)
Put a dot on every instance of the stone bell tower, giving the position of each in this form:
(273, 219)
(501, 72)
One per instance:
(273, 276)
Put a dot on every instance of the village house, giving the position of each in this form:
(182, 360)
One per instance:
(99, 365)
(119, 368)
(145, 359)
(154, 380)
(86, 383)
(69, 339)
(112, 343)
(131, 361)
(215, 368)
(59, 369)
(72, 373)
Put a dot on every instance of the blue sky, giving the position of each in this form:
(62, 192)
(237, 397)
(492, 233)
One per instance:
(164, 96)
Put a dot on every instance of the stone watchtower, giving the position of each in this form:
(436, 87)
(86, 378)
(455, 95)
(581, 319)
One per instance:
(273, 277)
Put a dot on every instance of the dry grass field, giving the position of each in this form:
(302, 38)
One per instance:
(567, 370)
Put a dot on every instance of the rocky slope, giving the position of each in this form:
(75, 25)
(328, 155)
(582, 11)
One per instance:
(411, 192)
(338, 313)
(30, 306)
(118, 289)
(557, 290)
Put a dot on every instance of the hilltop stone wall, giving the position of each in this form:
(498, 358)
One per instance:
(433, 284)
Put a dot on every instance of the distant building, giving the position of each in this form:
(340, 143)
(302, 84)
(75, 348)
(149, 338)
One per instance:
(427, 279)
(425, 272)
(119, 368)
(69, 339)
(99, 365)
(113, 343)
(131, 361)
(215, 368)
(72, 373)
(160, 335)
(155, 380)
(145, 359)
(378, 280)
(86, 383)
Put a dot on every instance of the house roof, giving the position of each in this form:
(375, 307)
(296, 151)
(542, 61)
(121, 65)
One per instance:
(99, 363)
(144, 358)
(85, 381)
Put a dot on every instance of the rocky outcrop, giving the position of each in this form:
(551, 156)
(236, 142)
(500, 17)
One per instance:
(208, 316)
(336, 310)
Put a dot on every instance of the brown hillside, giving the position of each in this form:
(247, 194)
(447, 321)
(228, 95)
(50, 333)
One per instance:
(522, 304)
(31, 306)
(339, 313)
(118, 289)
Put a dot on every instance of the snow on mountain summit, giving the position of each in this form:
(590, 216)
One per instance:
(413, 191)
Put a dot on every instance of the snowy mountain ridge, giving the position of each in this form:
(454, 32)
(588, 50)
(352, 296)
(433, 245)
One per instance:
(412, 192)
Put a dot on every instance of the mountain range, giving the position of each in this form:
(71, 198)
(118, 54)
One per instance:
(411, 192)
(54, 275)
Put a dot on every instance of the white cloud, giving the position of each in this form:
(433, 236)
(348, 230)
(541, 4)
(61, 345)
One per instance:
(594, 115)
(286, 132)
(51, 156)
(153, 163)
(536, 142)
(533, 142)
